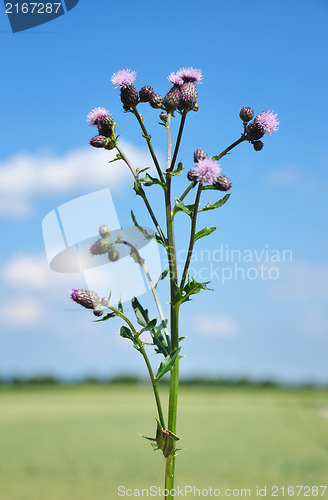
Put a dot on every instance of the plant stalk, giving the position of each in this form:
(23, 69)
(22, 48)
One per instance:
(192, 236)
(149, 368)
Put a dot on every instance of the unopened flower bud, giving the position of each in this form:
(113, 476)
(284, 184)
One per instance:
(199, 154)
(146, 93)
(191, 175)
(222, 183)
(100, 247)
(254, 131)
(172, 99)
(98, 311)
(85, 298)
(246, 114)
(188, 97)
(156, 101)
(258, 145)
(104, 231)
(99, 141)
(196, 107)
(113, 255)
(164, 116)
(129, 96)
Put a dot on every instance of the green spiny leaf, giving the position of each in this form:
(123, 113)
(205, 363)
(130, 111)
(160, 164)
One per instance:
(182, 207)
(177, 171)
(204, 232)
(218, 204)
(167, 364)
(162, 276)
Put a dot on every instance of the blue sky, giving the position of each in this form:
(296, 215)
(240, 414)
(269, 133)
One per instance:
(261, 54)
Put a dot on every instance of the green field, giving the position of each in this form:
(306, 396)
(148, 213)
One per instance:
(81, 443)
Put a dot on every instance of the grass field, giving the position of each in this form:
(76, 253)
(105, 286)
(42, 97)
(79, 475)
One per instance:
(81, 443)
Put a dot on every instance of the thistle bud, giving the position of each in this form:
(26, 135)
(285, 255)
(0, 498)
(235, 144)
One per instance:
(156, 101)
(129, 96)
(222, 183)
(199, 154)
(146, 93)
(104, 231)
(196, 107)
(99, 141)
(85, 298)
(100, 247)
(163, 116)
(254, 131)
(246, 114)
(172, 99)
(188, 97)
(98, 311)
(258, 145)
(191, 175)
(113, 255)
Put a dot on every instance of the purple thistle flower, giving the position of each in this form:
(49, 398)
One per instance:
(123, 78)
(97, 115)
(175, 79)
(85, 298)
(268, 121)
(185, 75)
(206, 171)
(190, 74)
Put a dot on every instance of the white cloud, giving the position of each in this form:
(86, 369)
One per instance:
(26, 271)
(22, 312)
(302, 281)
(216, 326)
(24, 176)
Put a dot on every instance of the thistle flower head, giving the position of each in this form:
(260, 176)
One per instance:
(100, 247)
(85, 298)
(190, 74)
(156, 101)
(199, 154)
(222, 183)
(175, 79)
(268, 121)
(188, 97)
(206, 171)
(104, 231)
(246, 114)
(172, 99)
(123, 78)
(146, 93)
(185, 75)
(98, 115)
(99, 141)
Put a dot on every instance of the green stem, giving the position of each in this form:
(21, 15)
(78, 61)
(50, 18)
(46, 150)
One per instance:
(184, 194)
(149, 368)
(141, 262)
(177, 145)
(174, 313)
(149, 144)
(233, 145)
(150, 211)
(192, 236)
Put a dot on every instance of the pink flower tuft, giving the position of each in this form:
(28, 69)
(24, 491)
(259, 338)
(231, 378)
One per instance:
(206, 171)
(175, 79)
(123, 78)
(190, 74)
(267, 121)
(97, 115)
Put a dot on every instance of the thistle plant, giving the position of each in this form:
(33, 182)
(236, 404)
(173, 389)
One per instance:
(205, 174)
